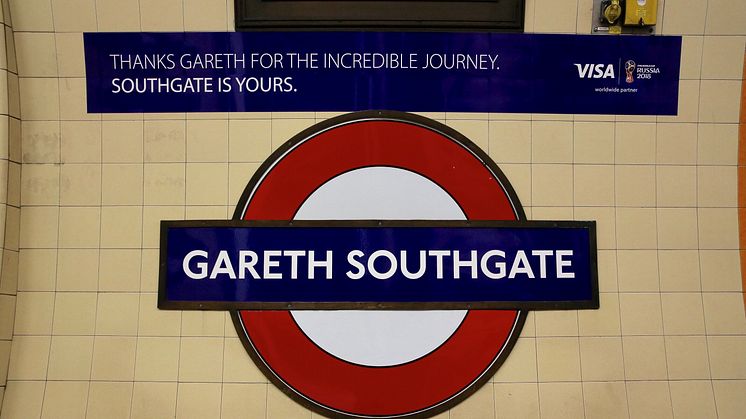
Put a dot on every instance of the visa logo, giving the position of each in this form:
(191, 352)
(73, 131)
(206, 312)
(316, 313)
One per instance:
(595, 71)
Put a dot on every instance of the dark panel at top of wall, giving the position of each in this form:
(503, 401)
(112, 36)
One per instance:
(400, 15)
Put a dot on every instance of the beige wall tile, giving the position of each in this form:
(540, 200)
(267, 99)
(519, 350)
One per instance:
(520, 366)
(156, 359)
(65, 399)
(725, 17)
(280, 406)
(80, 142)
(641, 314)
(555, 16)
(79, 227)
(12, 227)
(686, 357)
(552, 185)
(206, 183)
(164, 141)
(117, 314)
(724, 313)
(121, 270)
(206, 15)
(552, 142)
(77, 270)
(70, 60)
(638, 270)
(122, 141)
(682, 313)
(29, 357)
(607, 271)
(644, 357)
(561, 400)
(149, 271)
(721, 270)
(118, 15)
(23, 399)
(516, 400)
(601, 359)
(551, 323)
(237, 366)
(718, 228)
(207, 140)
(684, 17)
(201, 359)
(74, 313)
(717, 144)
(676, 143)
(113, 358)
(594, 142)
(153, 400)
(31, 15)
(480, 405)
(198, 400)
(109, 400)
(40, 141)
(243, 400)
(604, 321)
(717, 186)
(728, 396)
(33, 313)
(121, 227)
(122, 184)
(594, 185)
(36, 269)
(40, 184)
(36, 54)
(726, 361)
(679, 270)
(154, 322)
(160, 15)
(74, 15)
(558, 359)
(649, 399)
(676, 186)
(520, 179)
(249, 140)
(722, 57)
(677, 228)
(636, 228)
(634, 185)
(719, 101)
(202, 323)
(209, 212)
(39, 101)
(13, 194)
(165, 184)
(80, 184)
(605, 400)
(693, 399)
(635, 143)
(510, 141)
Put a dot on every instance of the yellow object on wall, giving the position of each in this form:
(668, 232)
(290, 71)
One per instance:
(640, 12)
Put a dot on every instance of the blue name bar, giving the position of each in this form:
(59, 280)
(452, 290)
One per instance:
(349, 71)
(378, 265)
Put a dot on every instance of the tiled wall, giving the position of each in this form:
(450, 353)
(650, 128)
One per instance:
(10, 179)
(668, 341)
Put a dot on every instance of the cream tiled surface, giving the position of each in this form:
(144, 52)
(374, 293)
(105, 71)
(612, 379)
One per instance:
(79, 329)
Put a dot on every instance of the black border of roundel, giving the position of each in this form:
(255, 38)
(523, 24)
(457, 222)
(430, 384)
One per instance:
(590, 226)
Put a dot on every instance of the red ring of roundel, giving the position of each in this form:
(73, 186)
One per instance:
(424, 386)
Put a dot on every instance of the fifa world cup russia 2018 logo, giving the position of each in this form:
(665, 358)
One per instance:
(629, 68)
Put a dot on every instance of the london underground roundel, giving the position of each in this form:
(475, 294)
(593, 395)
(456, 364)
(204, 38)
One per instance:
(379, 363)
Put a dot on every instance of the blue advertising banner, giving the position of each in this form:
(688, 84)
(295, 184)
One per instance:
(347, 71)
(362, 264)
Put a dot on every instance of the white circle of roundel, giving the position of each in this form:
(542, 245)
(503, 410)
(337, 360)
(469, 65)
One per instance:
(379, 338)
